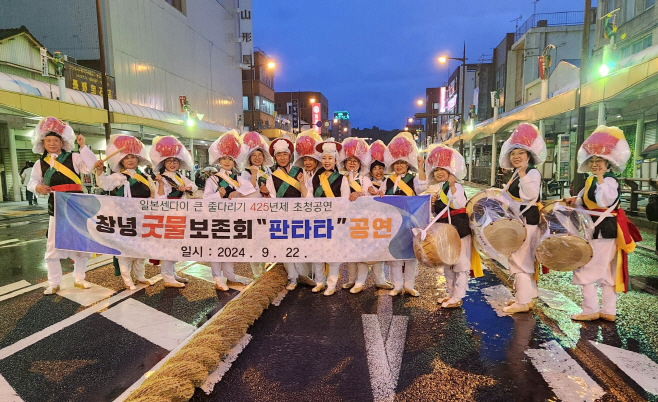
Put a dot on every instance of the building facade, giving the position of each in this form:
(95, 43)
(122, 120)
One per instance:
(258, 89)
(306, 100)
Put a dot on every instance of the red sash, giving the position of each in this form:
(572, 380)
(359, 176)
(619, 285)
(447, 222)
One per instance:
(66, 188)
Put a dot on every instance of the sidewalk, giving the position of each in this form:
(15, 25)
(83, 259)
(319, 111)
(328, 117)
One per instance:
(11, 210)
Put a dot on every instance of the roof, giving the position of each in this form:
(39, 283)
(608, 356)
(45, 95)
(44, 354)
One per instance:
(7, 33)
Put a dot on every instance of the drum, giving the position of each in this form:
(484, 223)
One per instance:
(441, 246)
(564, 235)
(497, 230)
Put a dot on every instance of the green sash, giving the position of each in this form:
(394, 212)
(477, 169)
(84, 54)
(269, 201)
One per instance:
(334, 176)
(294, 171)
(51, 170)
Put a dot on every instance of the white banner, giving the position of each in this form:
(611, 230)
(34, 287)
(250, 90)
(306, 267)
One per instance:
(271, 230)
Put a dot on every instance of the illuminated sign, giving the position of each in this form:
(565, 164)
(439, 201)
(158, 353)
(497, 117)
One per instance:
(317, 116)
(341, 115)
(442, 100)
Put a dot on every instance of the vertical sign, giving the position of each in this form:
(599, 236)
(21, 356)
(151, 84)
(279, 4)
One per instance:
(44, 62)
(317, 116)
(246, 32)
(295, 114)
(442, 100)
(542, 67)
(182, 100)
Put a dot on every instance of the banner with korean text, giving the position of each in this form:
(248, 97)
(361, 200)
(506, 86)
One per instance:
(243, 229)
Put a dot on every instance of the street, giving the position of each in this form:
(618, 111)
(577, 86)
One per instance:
(93, 345)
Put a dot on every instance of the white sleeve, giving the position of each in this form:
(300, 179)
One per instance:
(189, 183)
(167, 189)
(345, 188)
(419, 185)
(365, 185)
(246, 175)
(36, 177)
(309, 187)
(109, 183)
(211, 191)
(458, 198)
(83, 162)
(607, 192)
(269, 183)
(579, 199)
(530, 186)
(245, 187)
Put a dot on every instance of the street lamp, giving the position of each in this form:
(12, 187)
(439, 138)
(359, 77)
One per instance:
(270, 66)
(462, 79)
(410, 120)
(312, 100)
(420, 102)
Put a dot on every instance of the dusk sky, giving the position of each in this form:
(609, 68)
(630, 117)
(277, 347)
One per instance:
(375, 58)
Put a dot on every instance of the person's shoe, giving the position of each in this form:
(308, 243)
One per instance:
(585, 317)
(144, 281)
(442, 300)
(608, 317)
(387, 286)
(305, 280)
(516, 308)
(412, 292)
(395, 292)
(348, 285)
(329, 292)
(51, 290)
(452, 303)
(356, 289)
(318, 288)
(131, 286)
(181, 279)
(291, 286)
(174, 285)
(531, 305)
(221, 286)
(82, 284)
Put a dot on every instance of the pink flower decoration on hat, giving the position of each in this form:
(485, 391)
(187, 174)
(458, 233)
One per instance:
(130, 145)
(168, 147)
(440, 156)
(377, 151)
(400, 147)
(355, 147)
(305, 145)
(524, 134)
(52, 124)
(253, 140)
(229, 145)
(600, 143)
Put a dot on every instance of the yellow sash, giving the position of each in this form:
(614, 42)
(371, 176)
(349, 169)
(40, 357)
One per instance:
(476, 263)
(64, 170)
(178, 179)
(286, 177)
(227, 179)
(137, 177)
(590, 204)
(324, 182)
(356, 186)
(444, 197)
(402, 185)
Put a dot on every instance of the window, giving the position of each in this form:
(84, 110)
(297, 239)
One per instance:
(610, 6)
(646, 42)
(630, 9)
(264, 105)
(435, 106)
(649, 3)
(177, 4)
(245, 103)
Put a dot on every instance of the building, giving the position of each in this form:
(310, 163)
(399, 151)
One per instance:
(500, 54)
(258, 90)
(158, 52)
(454, 94)
(435, 103)
(306, 100)
(341, 127)
(635, 20)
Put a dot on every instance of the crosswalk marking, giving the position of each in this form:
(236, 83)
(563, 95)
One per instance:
(7, 393)
(567, 379)
(497, 297)
(558, 301)
(639, 367)
(8, 241)
(149, 323)
(13, 286)
(85, 297)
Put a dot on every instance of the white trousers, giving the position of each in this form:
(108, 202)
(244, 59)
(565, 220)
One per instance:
(257, 268)
(526, 287)
(522, 266)
(601, 270)
(53, 257)
(319, 275)
(332, 277)
(295, 269)
(358, 273)
(222, 267)
(403, 273)
(126, 264)
(168, 272)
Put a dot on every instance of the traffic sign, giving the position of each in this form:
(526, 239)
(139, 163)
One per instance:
(318, 124)
(326, 123)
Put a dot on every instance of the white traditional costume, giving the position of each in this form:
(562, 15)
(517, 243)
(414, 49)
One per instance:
(61, 172)
(130, 183)
(163, 148)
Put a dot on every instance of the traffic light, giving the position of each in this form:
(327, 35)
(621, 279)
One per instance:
(604, 69)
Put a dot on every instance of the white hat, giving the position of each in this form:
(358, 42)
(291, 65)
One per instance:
(358, 148)
(401, 148)
(525, 136)
(253, 141)
(280, 145)
(53, 126)
(608, 143)
(329, 147)
(305, 146)
(444, 157)
(164, 147)
(129, 145)
(229, 144)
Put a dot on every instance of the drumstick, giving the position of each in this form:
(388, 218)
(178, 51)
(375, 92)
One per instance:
(112, 154)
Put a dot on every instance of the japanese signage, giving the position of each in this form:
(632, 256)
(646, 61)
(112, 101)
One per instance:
(442, 100)
(243, 229)
(246, 32)
(87, 80)
(316, 110)
(295, 114)
(44, 62)
(182, 99)
(341, 115)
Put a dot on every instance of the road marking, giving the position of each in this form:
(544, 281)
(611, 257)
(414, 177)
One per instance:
(13, 286)
(639, 367)
(7, 393)
(24, 242)
(8, 241)
(558, 301)
(224, 365)
(155, 326)
(497, 297)
(567, 379)
(385, 336)
(85, 297)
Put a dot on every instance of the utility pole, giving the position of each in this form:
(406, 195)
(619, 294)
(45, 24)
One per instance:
(578, 181)
(463, 95)
(101, 46)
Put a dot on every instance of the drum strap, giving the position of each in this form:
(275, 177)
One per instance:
(423, 232)
(601, 215)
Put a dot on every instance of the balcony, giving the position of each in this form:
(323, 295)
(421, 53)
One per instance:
(565, 18)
